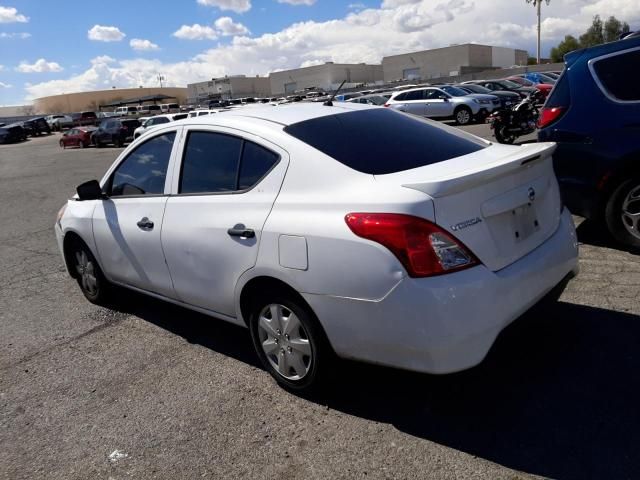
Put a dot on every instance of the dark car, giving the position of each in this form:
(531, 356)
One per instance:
(80, 119)
(36, 126)
(116, 131)
(506, 98)
(12, 133)
(77, 137)
(593, 113)
(505, 85)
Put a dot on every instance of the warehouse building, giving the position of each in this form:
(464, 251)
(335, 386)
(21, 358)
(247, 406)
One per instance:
(327, 77)
(450, 61)
(80, 101)
(235, 86)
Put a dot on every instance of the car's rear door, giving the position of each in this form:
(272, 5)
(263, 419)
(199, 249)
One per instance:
(128, 223)
(223, 192)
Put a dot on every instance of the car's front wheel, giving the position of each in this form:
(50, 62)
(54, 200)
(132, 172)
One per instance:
(622, 213)
(88, 274)
(462, 115)
(290, 342)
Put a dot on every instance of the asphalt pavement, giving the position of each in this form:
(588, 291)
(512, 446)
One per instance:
(149, 390)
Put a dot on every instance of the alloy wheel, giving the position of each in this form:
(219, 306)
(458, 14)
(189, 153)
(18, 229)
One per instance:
(285, 341)
(87, 272)
(631, 212)
(463, 117)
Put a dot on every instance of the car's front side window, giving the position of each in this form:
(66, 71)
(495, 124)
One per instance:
(143, 171)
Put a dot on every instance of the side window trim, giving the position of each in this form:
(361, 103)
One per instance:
(107, 179)
(244, 136)
(591, 64)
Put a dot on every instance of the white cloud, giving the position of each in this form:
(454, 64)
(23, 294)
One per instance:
(364, 36)
(238, 6)
(356, 6)
(142, 45)
(11, 15)
(195, 32)
(227, 27)
(40, 66)
(298, 2)
(5, 85)
(21, 35)
(102, 33)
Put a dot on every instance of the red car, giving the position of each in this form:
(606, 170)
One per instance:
(77, 137)
(544, 88)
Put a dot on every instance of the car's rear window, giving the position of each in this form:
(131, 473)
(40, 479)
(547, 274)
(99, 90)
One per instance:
(381, 141)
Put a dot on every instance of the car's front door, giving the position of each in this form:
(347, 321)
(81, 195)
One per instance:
(438, 104)
(127, 225)
(223, 192)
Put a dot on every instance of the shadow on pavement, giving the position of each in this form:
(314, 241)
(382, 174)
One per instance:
(558, 395)
(217, 335)
(595, 233)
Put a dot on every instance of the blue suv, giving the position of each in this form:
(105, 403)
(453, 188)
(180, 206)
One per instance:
(593, 113)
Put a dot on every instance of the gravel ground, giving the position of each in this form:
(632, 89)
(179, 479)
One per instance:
(149, 390)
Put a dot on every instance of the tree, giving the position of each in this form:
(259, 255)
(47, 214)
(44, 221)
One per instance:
(569, 44)
(593, 35)
(613, 28)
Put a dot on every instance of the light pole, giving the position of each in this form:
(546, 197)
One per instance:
(161, 78)
(538, 5)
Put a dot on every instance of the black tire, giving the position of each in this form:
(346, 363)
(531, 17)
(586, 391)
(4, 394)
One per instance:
(62, 144)
(117, 141)
(81, 144)
(502, 136)
(85, 266)
(321, 355)
(97, 143)
(626, 196)
(462, 115)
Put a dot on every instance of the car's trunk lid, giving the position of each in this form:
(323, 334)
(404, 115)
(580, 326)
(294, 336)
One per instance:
(501, 202)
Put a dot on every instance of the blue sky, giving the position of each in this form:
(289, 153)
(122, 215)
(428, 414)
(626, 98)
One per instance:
(45, 46)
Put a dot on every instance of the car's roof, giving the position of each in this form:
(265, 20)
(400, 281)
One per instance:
(282, 114)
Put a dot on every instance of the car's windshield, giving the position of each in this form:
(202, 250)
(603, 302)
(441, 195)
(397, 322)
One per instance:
(455, 91)
(508, 84)
(477, 88)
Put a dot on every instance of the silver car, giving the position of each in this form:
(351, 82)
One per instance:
(434, 102)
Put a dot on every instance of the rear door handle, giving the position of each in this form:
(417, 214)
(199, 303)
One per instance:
(239, 230)
(145, 224)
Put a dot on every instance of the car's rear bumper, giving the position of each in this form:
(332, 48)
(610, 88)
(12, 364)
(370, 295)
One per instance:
(446, 323)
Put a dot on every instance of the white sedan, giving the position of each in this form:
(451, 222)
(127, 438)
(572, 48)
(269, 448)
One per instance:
(345, 230)
(148, 122)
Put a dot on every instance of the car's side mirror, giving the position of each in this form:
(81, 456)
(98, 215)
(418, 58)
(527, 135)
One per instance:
(89, 190)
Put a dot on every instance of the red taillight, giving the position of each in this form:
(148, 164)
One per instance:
(423, 248)
(550, 115)
(386, 104)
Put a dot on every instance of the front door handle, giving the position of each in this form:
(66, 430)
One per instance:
(239, 230)
(145, 224)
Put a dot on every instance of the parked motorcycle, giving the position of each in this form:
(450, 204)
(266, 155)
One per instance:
(521, 119)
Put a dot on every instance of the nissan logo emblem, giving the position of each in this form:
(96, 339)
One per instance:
(532, 194)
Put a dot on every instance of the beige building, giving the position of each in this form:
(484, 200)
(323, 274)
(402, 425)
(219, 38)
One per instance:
(235, 86)
(450, 61)
(81, 101)
(327, 77)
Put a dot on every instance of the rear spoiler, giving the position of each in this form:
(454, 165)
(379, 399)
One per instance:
(460, 180)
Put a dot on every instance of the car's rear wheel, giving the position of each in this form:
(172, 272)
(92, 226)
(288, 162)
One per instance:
(81, 144)
(290, 342)
(462, 115)
(90, 278)
(622, 213)
(62, 144)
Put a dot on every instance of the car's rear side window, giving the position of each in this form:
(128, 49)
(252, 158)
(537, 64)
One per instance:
(220, 163)
(614, 75)
(381, 141)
